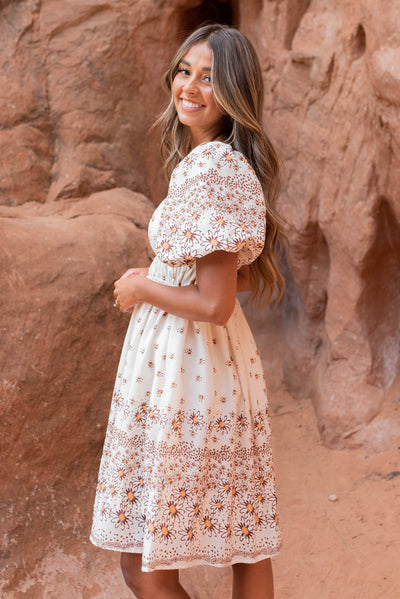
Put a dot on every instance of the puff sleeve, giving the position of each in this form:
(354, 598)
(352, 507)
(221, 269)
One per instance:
(214, 202)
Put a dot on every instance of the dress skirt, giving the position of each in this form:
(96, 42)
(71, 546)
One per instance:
(186, 475)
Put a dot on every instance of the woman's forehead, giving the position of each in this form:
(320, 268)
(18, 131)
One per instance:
(199, 53)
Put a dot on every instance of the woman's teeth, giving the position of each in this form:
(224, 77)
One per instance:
(188, 104)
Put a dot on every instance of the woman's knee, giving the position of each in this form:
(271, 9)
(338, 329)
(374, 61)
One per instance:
(148, 585)
(132, 573)
(253, 580)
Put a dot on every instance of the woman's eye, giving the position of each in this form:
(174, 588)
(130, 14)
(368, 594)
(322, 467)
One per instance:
(207, 78)
(183, 71)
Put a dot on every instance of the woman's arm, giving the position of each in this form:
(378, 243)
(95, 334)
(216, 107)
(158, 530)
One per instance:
(243, 279)
(211, 299)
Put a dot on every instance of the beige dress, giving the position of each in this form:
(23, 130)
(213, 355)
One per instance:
(186, 475)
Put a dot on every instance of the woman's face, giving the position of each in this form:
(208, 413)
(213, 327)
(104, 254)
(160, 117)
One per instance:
(193, 95)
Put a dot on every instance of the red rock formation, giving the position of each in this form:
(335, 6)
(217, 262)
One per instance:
(61, 340)
(332, 105)
(79, 89)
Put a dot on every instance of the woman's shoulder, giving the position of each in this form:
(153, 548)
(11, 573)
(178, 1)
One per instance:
(216, 150)
(211, 148)
(214, 157)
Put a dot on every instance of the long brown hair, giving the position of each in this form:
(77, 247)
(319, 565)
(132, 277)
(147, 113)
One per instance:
(239, 92)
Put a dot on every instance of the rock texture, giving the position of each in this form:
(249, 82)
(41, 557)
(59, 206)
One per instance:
(61, 340)
(332, 105)
(79, 89)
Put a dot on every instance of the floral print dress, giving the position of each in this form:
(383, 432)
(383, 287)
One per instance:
(186, 475)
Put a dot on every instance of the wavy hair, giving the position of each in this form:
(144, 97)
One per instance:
(239, 92)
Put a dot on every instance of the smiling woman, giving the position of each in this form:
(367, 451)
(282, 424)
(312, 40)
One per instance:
(187, 473)
(194, 97)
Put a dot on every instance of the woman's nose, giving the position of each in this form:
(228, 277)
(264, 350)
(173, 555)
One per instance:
(190, 85)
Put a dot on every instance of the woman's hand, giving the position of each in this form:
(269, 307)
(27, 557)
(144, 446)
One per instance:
(210, 299)
(127, 289)
(135, 271)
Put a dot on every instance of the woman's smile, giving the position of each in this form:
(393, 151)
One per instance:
(189, 105)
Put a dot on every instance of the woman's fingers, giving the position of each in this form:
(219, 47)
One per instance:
(125, 293)
(130, 272)
(142, 271)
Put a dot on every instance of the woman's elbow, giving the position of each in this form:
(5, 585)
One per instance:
(221, 313)
(221, 322)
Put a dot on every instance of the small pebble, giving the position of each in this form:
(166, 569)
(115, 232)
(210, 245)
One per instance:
(332, 498)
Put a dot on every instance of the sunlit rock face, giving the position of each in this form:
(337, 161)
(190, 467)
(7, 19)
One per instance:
(332, 78)
(60, 344)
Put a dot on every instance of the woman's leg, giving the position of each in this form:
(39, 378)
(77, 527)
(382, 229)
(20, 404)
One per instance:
(161, 584)
(253, 580)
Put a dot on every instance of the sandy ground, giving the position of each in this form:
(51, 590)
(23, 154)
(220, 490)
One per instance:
(348, 548)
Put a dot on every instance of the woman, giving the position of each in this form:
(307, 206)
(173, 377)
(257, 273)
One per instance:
(186, 475)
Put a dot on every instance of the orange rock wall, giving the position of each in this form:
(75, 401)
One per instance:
(79, 88)
(332, 73)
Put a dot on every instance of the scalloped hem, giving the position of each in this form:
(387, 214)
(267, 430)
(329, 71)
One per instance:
(181, 564)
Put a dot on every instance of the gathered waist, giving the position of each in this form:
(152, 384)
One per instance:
(175, 276)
